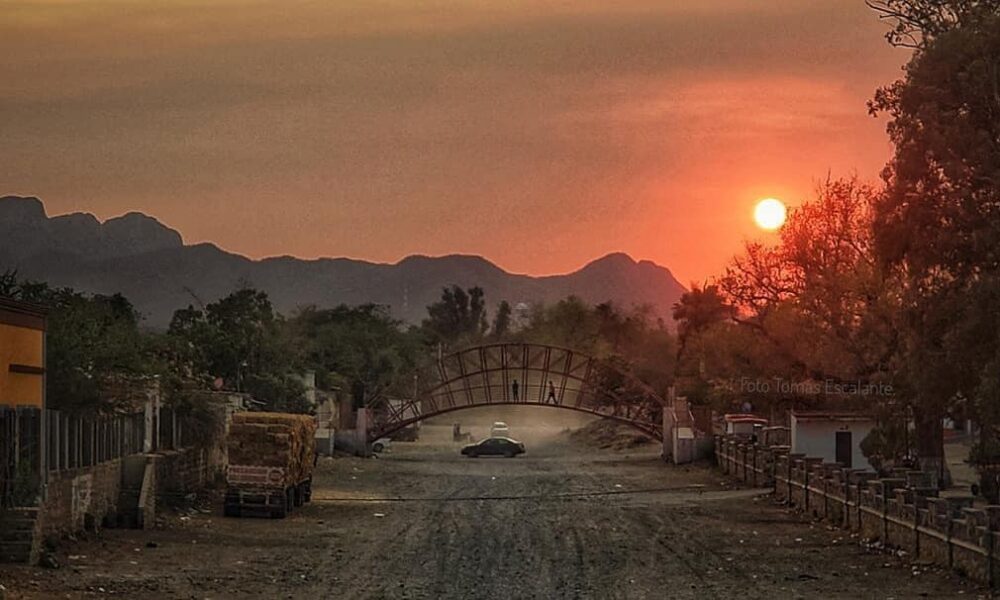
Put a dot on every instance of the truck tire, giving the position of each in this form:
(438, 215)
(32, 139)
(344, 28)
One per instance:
(280, 511)
(377, 448)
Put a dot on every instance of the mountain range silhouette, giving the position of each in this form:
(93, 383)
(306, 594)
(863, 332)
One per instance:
(150, 264)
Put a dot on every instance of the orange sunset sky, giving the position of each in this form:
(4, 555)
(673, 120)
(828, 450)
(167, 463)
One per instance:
(540, 135)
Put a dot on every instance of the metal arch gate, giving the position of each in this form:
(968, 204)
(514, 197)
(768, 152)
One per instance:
(524, 374)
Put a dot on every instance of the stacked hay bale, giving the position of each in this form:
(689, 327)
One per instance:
(280, 440)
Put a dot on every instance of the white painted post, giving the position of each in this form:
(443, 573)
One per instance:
(150, 422)
(668, 425)
(361, 433)
(156, 415)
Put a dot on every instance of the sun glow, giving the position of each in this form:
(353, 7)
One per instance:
(770, 214)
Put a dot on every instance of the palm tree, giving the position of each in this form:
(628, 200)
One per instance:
(696, 312)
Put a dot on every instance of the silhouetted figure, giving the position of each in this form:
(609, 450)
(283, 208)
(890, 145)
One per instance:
(552, 392)
(513, 389)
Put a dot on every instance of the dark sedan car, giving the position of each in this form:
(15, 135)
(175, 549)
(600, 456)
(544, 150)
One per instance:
(494, 446)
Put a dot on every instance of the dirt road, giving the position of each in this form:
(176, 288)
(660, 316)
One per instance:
(560, 522)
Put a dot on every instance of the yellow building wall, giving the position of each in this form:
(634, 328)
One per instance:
(21, 346)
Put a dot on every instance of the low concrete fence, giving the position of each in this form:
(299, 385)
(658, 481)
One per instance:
(901, 512)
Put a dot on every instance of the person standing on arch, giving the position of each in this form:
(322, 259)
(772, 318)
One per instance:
(552, 393)
(513, 390)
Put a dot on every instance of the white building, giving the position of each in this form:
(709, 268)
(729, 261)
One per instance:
(743, 424)
(833, 436)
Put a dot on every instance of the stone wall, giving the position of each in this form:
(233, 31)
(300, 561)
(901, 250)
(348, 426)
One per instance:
(78, 499)
(182, 472)
(902, 511)
(88, 497)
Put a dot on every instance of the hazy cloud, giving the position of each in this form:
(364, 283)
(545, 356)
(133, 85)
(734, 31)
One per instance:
(377, 129)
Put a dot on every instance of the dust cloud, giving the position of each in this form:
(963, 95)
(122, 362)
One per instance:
(529, 424)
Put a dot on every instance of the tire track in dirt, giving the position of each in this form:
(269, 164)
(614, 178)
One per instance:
(540, 527)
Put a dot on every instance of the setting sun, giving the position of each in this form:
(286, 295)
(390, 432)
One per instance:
(770, 214)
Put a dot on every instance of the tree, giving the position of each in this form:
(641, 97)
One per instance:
(502, 321)
(240, 324)
(697, 311)
(459, 317)
(360, 349)
(241, 340)
(815, 307)
(938, 222)
(818, 296)
(916, 23)
(9, 284)
(570, 323)
(630, 341)
(91, 342)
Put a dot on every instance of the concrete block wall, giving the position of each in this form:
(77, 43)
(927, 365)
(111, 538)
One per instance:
(181, 472)
(19, 535)
(901, 512)
(78, 499)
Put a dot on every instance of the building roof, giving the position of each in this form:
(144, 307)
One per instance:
(826, 415)
(22, 314)
(743, 418)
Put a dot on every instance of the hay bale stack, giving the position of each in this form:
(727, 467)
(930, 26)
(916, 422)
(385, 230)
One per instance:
(273, 440)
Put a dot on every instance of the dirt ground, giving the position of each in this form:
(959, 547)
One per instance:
(562, 521)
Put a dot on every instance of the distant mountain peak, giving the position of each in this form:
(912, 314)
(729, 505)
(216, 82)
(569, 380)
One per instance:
(21, 209)
(26, 231)
(469, 259)
(135, 233)
(80, 219)
(613, 260)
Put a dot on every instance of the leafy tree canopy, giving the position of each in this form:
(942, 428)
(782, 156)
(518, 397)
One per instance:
(458, 318)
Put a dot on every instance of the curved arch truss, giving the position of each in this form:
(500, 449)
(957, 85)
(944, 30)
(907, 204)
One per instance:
(528, 374)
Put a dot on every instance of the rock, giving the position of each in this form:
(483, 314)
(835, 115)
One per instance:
(152, 545)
